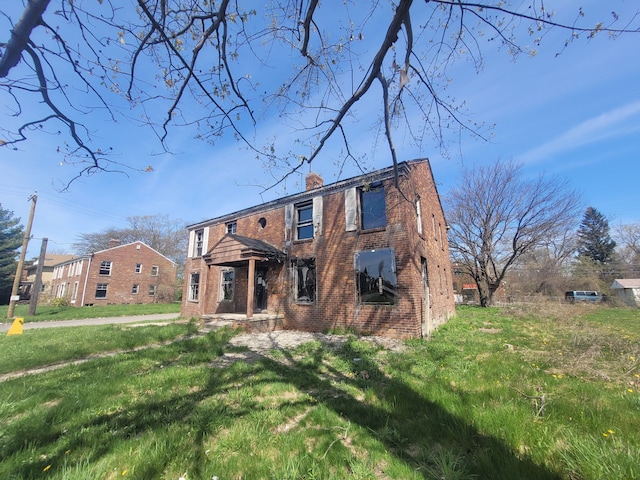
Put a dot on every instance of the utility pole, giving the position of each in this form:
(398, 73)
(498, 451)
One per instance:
(25, 243)
(37, 283)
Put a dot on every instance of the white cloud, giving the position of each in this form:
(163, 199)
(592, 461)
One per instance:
(611, 124)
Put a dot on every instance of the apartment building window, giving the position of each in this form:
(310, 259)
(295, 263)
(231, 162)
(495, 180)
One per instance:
(226, 284)
(154, 270)
(304, 221)
(232, 227)
(74, 293)
(199, 242)
(101, 290)
(194, 287)
(138, 268)
(304, 273)
(376, 280)
(152, 290)
(135, 288)
(105, 267)
(419, 216)
(373, 207)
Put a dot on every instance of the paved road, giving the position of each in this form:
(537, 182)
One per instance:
(93, 321)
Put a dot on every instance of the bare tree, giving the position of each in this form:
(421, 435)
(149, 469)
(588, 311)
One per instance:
(496, 217)
(628, 251)
(167, 236)
(219, 67)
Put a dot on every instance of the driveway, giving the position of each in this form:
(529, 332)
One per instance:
(93, 321)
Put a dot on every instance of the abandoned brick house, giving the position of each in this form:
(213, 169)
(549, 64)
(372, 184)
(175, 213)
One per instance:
(122, 274)
(359, 254)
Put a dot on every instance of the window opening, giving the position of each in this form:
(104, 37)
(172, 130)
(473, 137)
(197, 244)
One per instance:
(376, 280)
(304, 221)
(373, 208)
(105, 267)
(232, 227)
(138, 268)
(226, 284)
(199, 242)
(152, 290)
(304, 270)
(135, 289)
(154, 270)
(101, 290)
(194, 287)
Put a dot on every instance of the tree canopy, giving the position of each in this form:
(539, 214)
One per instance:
(221, 67)
(11, 234)
(497, 216)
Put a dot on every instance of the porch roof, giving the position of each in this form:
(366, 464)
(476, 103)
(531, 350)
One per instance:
(234, 250)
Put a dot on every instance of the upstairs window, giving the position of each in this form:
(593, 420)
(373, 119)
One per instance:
(304, 221)
(373, 207)
(376, 280)
(198, 243)
(105, 267)
(154, 270)
(226, 284)
(194, 287)
(138, 268)
(304, 273)
(232, 227)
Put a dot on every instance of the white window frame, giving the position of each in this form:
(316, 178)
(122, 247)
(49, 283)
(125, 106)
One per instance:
(155, 269)
(194, 287)
(105, 265)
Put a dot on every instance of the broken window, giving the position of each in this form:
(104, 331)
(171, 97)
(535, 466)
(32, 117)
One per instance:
(304, 281)
(232, 227)
(373, 207)
(135, 288)
(194, 287)
(101, 290)
(198, 242)
(226, 284)
(376, 280)
(105, 267)
(304, 221)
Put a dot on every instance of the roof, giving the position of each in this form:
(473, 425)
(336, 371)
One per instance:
(619, 283)
(374, 176)
(235, 249)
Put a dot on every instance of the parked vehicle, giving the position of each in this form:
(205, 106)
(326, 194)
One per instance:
(585, 296)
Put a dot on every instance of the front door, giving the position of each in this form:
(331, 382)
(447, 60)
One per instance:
(260, 294)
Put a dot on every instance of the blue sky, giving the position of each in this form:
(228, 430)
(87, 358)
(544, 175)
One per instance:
(575, 115)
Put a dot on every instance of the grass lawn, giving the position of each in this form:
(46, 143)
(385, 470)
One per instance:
(549, 392)
(45, 313)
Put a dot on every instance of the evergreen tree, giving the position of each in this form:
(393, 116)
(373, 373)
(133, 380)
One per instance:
(594, 241)
(11, 233)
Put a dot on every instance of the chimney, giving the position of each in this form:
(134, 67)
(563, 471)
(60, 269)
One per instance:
(114, 242)
(314, 180)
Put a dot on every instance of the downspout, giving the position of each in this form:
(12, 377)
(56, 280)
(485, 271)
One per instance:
(86, 279)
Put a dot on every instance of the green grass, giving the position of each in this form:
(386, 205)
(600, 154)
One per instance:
(495, 394)
(45, 313)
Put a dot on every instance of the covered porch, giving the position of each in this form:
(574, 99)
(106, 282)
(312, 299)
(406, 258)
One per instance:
(257, 259)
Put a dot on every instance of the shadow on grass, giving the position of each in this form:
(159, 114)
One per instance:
(409, 426)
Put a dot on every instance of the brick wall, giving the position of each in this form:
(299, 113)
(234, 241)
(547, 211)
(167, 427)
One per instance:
(336, 305)
(122, 277)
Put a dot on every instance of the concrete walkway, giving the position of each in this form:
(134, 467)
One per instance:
(93, 321)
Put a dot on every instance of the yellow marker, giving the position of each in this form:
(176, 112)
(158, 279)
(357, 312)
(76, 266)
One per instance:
(16, 327)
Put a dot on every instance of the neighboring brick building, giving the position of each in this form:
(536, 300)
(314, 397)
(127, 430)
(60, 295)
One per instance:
(358, 254)
(121, 274)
